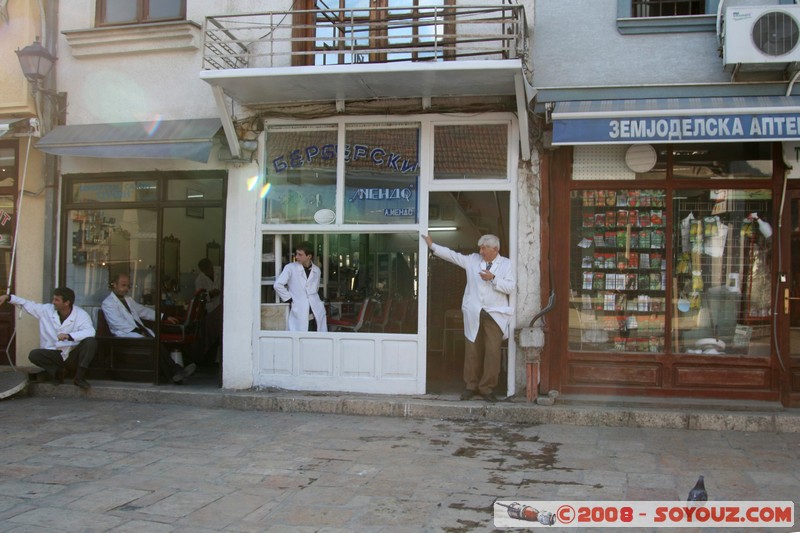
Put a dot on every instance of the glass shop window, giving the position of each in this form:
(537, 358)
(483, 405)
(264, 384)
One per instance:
(301, 175)
(103, 242)
(722, 160)
(618, 270)
(470, 152)
(113, 191)
(7, 218)
(369, 282)
(381, 174)
(722, 268)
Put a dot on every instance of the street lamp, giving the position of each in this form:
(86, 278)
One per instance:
(36, 63)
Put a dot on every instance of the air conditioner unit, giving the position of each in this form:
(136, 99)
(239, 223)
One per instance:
(762, 36)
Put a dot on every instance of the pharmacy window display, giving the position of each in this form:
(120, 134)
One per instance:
(618, 270)
(722, 265)
(682, 266)
(711, 296)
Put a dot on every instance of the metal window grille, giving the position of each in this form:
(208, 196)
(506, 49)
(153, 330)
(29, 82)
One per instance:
(667, 8)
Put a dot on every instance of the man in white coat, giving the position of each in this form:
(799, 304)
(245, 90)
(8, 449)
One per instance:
(125, 318)
(487, 313)
(64, 330)
(298, 285)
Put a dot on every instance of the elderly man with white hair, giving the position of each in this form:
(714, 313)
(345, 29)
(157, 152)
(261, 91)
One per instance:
(487, 312)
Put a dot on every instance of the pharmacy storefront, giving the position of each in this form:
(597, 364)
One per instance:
(682, 273)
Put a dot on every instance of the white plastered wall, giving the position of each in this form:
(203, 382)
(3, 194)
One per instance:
(28, 281)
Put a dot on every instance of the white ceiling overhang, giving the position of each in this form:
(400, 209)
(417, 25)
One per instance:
(364, 81)
(254, 87)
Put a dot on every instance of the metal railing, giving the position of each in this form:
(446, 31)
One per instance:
(366, 35)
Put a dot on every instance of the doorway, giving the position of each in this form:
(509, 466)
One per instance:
(457, 219)
(191, 286)
(791, 305)
(166, 232)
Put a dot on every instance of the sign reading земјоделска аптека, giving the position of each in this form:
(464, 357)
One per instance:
(708, 128)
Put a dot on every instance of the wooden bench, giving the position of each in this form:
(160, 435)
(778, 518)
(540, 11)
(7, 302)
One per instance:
(123, 358)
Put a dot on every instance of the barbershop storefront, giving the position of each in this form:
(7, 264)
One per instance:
(361, 190)
(683, 277)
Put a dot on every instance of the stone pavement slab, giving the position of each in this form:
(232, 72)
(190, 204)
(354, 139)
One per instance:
(122, 466)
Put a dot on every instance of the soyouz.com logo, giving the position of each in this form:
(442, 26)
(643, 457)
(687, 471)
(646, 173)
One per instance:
(724, 514)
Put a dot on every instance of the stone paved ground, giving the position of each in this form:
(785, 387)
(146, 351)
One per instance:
(92, 466)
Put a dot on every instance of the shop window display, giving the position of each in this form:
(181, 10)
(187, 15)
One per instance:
(618, 270)
(369, 282)
(722, 265)
(716, 286)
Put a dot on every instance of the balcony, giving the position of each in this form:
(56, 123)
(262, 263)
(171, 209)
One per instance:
(279, 57)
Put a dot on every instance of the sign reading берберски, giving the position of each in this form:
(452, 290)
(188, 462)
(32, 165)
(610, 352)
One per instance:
(708, 128)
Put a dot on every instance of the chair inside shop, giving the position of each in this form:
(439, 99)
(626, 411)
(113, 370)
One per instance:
(352, 323)
(187, 335)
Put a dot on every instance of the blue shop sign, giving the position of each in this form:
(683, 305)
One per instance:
(708, 128)
(676, 120)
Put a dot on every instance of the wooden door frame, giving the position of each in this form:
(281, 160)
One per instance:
(789, 397)
(556, 169)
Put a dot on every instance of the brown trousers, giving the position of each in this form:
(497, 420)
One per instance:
(482, 357)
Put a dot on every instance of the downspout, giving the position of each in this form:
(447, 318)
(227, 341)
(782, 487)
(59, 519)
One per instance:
(49, 18)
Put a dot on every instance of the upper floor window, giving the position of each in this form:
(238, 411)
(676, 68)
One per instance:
(668, 8)
(666, 16)
(374, 31)
(115, 12)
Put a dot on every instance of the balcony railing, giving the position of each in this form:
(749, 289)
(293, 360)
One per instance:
(367, 35)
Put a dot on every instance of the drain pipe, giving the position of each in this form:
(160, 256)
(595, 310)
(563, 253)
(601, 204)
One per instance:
(532, 340)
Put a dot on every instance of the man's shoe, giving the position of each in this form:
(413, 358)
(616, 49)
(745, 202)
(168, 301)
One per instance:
(82, 383)
(491, 398)
(184, 373)
(468, 394)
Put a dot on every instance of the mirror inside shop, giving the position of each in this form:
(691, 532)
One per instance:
(716, 284)
(368, 282)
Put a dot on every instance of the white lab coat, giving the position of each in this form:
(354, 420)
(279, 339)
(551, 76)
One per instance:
(120, 321)
(479, 294)
(304, 292)
(78, 325)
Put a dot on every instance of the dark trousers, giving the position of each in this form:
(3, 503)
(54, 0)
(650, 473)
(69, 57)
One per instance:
(166, 365)
(52, 361)
(482, 357)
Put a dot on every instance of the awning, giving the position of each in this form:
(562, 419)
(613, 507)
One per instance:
(190, 139)
(677, 120)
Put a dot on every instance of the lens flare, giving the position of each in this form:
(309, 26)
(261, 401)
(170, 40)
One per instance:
(153, 125)
(251, 182)
(265, 190)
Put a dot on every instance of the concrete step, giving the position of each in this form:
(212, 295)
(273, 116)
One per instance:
(582, 411)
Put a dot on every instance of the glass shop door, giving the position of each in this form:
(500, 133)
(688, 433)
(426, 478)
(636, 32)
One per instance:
(791, 305)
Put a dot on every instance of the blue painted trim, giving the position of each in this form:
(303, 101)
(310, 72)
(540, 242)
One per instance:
(562, 94)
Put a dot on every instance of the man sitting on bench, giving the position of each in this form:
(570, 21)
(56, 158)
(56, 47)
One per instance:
(125, 319)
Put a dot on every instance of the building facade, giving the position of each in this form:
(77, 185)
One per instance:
(670, 134)
(221, 131)
(27, 199)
